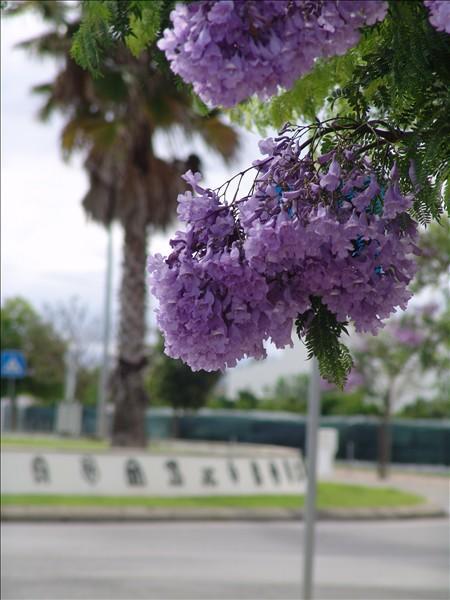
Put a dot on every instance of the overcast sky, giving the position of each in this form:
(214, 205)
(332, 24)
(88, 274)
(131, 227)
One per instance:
(50, 251)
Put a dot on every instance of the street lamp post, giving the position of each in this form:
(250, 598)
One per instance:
(103, 382)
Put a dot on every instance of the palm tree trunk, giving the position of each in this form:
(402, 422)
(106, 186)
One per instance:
(129, 395)
(384, 437)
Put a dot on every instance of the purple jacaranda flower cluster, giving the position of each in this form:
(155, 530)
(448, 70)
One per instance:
(439, 14)
(241, 272)
(331, 230)
(408, 336)
(232, 49)
(213, 307)
(354, 381)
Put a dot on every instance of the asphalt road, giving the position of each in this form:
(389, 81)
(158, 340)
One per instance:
(239, 560)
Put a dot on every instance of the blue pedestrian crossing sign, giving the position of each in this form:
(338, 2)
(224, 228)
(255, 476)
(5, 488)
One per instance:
(13, 364)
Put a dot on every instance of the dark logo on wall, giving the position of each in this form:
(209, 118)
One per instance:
(233, 472)
(274, 472)
(176, 477)
(256, 473)
(134, 473)
(41, 472)
(209, 477)
(89, 469)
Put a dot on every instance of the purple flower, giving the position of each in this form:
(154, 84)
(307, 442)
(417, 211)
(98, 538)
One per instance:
(354, 381)
(331, 180)
(230, 50)
(439, 14)
(239, 274)
(408, 336)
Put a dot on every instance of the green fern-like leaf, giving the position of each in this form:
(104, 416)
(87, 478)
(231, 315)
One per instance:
(321, 332)
(106, 23)
(93, 36)
(144, 27)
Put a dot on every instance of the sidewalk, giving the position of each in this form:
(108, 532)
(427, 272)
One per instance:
(435, 488)
(135, 513)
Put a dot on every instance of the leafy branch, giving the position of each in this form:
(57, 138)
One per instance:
(320, 331)
(399, 72)
(106, 24)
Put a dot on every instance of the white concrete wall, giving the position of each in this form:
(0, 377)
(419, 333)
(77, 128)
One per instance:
(140, 474)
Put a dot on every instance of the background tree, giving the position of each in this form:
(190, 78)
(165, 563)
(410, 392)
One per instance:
(417, 342)
(350, 403)
(393, 363)
(410, 346)
(80, 333)
(22, 328)
(172, 383)
(434, 258)
(288, 394)
(437, 408)
(112, 119)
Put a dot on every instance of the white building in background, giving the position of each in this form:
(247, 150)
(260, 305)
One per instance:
(257, 375)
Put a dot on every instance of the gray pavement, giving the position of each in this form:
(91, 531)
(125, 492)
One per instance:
(258, 561)
(435, 488)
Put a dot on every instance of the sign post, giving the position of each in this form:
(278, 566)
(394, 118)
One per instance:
(13, 366)
(311, 470)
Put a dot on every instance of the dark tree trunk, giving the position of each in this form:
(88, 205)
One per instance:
(175, 424)
(129, 395)
(384, 437)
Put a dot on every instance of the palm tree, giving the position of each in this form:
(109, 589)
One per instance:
(113, 119)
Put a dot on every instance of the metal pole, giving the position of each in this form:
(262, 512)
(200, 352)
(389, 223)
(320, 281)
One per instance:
(70, 384)
(311, 456)
(12, 395)
(103, 383)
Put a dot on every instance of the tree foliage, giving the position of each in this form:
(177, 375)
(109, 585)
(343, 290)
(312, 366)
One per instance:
(437, 408)
(106, 23)
(44, 337)
(399, 72)
(290, 394)
(22, 328)
(398, 76)
(408, 348)
(434, 258)
(419, 340)
(113, 105)
(172, 383)
(322, 339)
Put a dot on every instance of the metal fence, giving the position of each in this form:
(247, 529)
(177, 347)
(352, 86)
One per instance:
(413, 441)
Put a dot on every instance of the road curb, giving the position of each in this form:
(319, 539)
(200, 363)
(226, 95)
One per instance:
(94, 514)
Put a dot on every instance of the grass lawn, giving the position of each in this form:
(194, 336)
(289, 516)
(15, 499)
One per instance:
(49, 442)
(52, 442)
(330, 495)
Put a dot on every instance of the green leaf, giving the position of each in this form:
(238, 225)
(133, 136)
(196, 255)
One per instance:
(144, 28)
(93, 37)
(321, 332)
